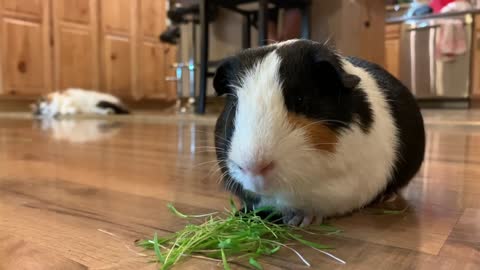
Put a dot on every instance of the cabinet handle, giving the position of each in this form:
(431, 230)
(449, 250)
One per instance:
(171, 79)
(423, 28)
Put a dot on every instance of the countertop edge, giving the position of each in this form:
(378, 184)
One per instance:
(431, 16)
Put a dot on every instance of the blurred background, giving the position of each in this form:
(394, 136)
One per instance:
(163, 54)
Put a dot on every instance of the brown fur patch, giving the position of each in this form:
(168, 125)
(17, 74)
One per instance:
(319, 135)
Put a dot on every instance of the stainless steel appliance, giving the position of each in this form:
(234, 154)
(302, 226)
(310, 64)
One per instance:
(427, 74)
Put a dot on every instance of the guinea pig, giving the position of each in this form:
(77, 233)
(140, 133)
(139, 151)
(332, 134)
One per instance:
(313, 133)
(75, 101)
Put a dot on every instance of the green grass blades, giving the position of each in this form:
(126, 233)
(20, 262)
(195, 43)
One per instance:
(224, 260)
(255, 264)
(231, 236)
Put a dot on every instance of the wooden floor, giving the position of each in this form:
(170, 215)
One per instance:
(77, 194)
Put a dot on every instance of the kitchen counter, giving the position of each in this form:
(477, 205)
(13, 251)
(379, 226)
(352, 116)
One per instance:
(431, 16)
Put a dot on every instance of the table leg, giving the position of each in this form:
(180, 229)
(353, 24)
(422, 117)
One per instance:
(262, 22)
(246, 32)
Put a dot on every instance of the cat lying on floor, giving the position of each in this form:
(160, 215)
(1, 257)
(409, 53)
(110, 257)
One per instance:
(75, 101)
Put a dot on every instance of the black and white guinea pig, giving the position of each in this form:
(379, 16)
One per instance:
(313, 133)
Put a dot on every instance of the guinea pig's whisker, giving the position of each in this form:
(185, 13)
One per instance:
(211, 151)
(205, 132)
(210, 148)
(228, 115)
(204, 163)
(220, 179)
(237, 187)
(206, 151)
(323, 121)
(228, 184)
(212, 140)
(273, 41)
(215, 172)
(325, 43)
(207, 146)
(207, 176)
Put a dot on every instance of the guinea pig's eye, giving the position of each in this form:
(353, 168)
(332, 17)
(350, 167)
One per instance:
(298, 101)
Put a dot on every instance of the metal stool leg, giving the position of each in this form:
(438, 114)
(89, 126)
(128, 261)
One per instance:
(246, 32)
(191, 65)
(306, 21)
(262, 22)
(203, 56)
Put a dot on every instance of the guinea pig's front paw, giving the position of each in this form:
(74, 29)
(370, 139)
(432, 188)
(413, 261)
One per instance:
(302, 218)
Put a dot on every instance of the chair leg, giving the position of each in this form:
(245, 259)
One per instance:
(203, 56)
(306, 21)
(262, 22)
(246, 32)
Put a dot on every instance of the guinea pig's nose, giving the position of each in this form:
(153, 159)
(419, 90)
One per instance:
(260, 167)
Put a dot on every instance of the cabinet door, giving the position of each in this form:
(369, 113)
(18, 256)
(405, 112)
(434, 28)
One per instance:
(155, 58)
(76, 44)
(118, 24)
(392, 51)
(25, 49)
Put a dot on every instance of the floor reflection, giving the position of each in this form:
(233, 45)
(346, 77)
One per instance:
(80, 130)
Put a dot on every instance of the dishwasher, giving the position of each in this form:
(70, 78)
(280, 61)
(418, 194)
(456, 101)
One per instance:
(429, 76)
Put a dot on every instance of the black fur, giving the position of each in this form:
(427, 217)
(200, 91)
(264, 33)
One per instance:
(409, 121)
(116, 108)
(316, 86)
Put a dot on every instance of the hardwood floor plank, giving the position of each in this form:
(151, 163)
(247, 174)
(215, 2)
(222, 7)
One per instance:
(76, 194)
(23, 255)
(464, 241)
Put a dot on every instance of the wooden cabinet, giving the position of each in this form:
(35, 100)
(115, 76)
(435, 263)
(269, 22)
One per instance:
(153, 57)
(75, 44)
(106, 45)
(25, 48)
(392, 49)
(118, 44)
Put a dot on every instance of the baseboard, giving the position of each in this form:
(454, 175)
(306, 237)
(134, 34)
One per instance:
(475, 102)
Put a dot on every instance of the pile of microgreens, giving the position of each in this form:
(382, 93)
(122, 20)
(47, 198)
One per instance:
(233, 236)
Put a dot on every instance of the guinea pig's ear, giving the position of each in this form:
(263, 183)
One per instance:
(350, 81)
(224, 76)
(335, 76)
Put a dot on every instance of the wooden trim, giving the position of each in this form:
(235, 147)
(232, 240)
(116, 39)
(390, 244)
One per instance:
(392, 31)
(55, 47)
(24, 16)
(475, 61)
(2, 51)
(101, 45)
(94, 28)
(477, 22)
(47, 45)
(134, 32)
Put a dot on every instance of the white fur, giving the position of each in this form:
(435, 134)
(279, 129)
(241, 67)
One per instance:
(75, 101)
(304, 177)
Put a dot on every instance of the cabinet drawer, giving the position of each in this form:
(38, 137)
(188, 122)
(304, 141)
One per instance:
(392, 31)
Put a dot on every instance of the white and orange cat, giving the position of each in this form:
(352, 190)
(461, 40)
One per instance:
(75, 101)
